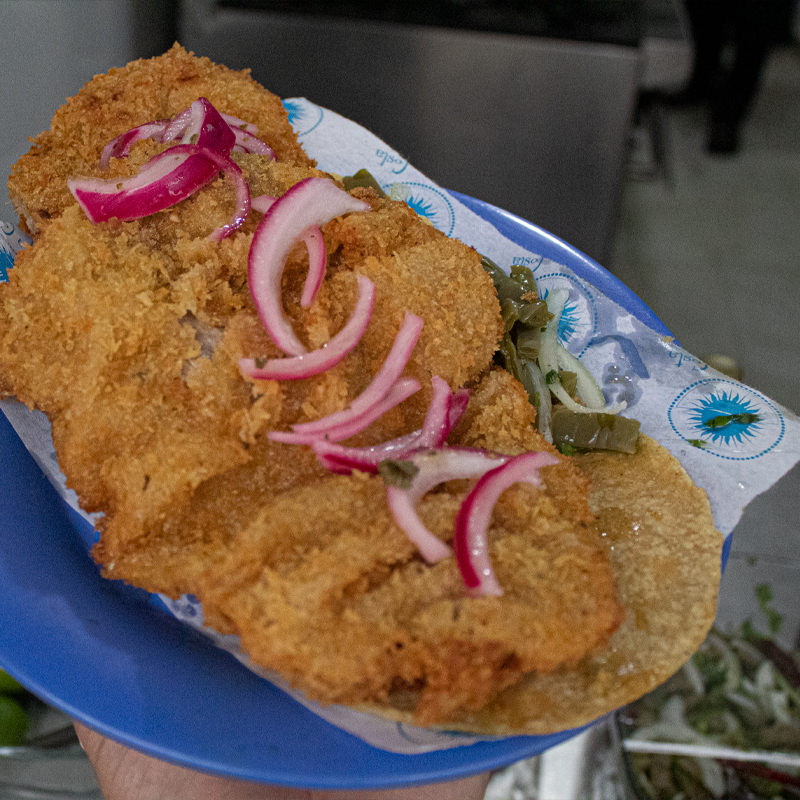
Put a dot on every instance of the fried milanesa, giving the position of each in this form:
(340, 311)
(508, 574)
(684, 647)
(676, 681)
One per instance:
(143, 419)
(129, 335)
(137, 369)
(140, 92)
(665, 559)
(325, 589)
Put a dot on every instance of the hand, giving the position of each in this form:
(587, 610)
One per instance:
(125, 774)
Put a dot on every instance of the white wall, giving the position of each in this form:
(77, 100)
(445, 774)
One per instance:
(48, 50)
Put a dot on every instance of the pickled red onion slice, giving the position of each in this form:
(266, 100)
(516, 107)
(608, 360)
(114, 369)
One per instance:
(401, 390)
(470, 537)
(234, 174)
(241, 124)
(262, 202)
(164, 181)
(317, 254)
(203, 125)
(245, 142)
(313, 201)
(120, 146)
(435, 467)
(343, 460)
(391, 369)
(177, 128)
(443, 413)
(330, 354)
(220, 132)
(317, 264)
(207, 128)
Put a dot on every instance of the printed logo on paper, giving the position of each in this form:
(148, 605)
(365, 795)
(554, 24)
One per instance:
(12, 241)
(303, 116)
(532, 262)
(686, 360)
(579, 317)
(6, 260)
(391, 161)
(427, 201)
(726, 419)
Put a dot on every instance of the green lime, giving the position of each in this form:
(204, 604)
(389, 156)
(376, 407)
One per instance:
(9, 684)
(13, 722)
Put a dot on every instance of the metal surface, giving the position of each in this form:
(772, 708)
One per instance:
(537, 126)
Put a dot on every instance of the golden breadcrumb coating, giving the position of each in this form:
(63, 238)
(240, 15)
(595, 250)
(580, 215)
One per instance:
(129, 336)
(135, 360)
(325, 589)
(142, 91)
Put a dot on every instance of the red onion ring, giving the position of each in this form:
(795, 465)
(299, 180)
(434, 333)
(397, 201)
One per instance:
(208, 129)
(233, 173)
(390, 371)
(203, 125)
(235, 122)
(164, 181)
(435, 467)
(245, 142)
(401, 390)
(220, 132)
(313, 201)
(317, 254)
(177, 128)
(317, 264)
(343, 460)
(262, 203)
(120, 146)
(330, 354)
(470, 537)
(458, 405)
(444, 405)
(444, 412)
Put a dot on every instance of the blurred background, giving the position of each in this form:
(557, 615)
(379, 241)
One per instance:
(651, 134)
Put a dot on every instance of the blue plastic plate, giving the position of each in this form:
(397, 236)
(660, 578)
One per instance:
(109, 656)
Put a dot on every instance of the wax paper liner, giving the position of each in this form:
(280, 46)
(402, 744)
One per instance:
(677, 398)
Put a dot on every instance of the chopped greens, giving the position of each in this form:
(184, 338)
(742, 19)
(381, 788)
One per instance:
(569, 380)
(363, 178)
(554, 379)
(595, 431)
(567, 449)
(398, 473)
(524, 277)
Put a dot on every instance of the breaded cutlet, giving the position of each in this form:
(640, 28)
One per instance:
(135, 361)
(324, 587)
(140, 92)
(128, 335)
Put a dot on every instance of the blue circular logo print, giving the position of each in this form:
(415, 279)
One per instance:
(579, 317)
(303, 116)
(726, 419)
(6, 261)
(12, 240)
(427, 201)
